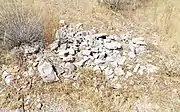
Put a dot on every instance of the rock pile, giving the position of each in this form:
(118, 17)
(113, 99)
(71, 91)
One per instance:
(108, 54)
(116, 56)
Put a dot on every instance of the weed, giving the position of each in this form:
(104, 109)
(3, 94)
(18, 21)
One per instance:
(19, 24)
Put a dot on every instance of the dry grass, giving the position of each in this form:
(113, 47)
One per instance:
(92, 93)
(145, 93)
(25, 22)
(161, 16)
(19, 24)
(149, 16)
(124, 5)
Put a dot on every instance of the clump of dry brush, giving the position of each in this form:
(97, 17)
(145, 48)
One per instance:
(122, 4)
(19, 24)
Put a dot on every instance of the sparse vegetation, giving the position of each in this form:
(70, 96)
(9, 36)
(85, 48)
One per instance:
(124, 5)
(19, 24)
(29, 21)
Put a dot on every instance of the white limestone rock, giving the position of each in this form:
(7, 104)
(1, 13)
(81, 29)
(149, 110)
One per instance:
(47, 72)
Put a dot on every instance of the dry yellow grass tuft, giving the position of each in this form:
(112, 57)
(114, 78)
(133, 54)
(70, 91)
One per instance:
(19, 24)
(27, 21)
(123, 4)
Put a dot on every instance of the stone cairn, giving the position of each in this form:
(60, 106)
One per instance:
(116, 56)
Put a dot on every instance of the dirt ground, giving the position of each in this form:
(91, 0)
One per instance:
(155, 93)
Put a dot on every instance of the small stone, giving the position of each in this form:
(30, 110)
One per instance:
(81, 63)
(54, 45)
(113, 45)
(31, 72)
(151, 68)
(117, 86)
(93, 31)
(63, 53)
(129, 67)
(71, 67)
(86, 52)
(39, 106)
(59, 69)
(101, 35)
(57, 36)
(139, 41)
(140, 49)
(107, 40)
(131, 47)
(125, 53)
(63, 46)
(108, 71)
(62, 23)
(142, 69)
(5, 74)
(115, 37)
(136, 68)
(69, 75)
(71, 51)
(29, 49)
(79, 25)
(98, 61)
(83, 45)
(100, 41)
(69, 59)
(119, 71)
(95, 50)
(47, 73)
(27, 102)
(18, 77)
(131, 55)
(25, 73)
(7, 77)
